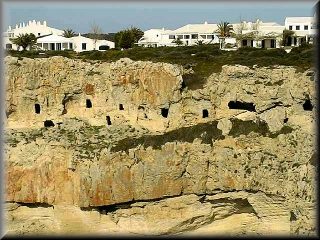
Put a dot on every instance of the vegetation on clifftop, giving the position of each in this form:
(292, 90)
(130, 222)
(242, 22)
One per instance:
(203, 59)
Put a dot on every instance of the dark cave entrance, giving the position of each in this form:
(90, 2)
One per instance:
(88, 103)
(205, 113)
(48, 123)
(37, 108)
(164, 112)
(108, 120)
(307, 106)
(242, 105)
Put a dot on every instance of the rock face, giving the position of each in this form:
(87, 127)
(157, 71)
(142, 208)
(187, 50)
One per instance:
(125, 148)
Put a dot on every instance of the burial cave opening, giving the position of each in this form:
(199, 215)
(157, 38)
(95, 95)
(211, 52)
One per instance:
(88, 103)
(307, 106)
(37, 108)
(108, 120)
(48, 123)
(242, 105)
(205, 113)
(164, 112)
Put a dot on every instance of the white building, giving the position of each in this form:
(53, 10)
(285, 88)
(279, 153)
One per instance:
(303, 27)
(54, 42)
(49, 38)
(258, 34)
(155, 38)
(37, 28)
(87, 44)
(189, 34)
(251, 34)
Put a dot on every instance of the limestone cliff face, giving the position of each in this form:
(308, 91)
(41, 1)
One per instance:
(238, 152)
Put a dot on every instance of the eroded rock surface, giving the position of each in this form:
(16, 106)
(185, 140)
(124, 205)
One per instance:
(130, 151)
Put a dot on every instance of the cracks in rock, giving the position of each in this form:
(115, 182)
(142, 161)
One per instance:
(275, 104)
(35, 204)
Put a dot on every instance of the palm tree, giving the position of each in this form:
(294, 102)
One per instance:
(68, 33)
(224, 30)
(25, 40)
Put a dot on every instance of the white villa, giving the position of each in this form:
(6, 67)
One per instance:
(189, 34)
(304, 28)
(49, 38)
(252, 34)
(258, 34)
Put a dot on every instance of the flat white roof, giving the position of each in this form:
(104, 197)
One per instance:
(299, 19)
(197, 28)
(53, 39)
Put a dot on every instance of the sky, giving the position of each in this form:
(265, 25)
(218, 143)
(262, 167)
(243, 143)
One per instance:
(111, 16)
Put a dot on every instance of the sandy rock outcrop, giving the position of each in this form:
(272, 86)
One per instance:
(239, 152)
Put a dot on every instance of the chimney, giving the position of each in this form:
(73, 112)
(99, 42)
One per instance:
(34, 22)
(23, 24)
(205, 22)
(38, 23)
(17, 26)
(29, 22)
(45, 23)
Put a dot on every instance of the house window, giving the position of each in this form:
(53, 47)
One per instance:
(157, 35)
(203, 36)
(8, 46)
(180, 36)
(244, 43)
(70, 46)
(297, 27)
(171, 37)
(186, 36)
(194, 36)
(84, 46)
(210, 37)
(290, 27)
(38, 34)
(121, 107)
(305, 27)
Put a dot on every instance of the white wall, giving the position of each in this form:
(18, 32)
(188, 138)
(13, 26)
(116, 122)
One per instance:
(41, 29)
(301, 22)
(79, 40)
